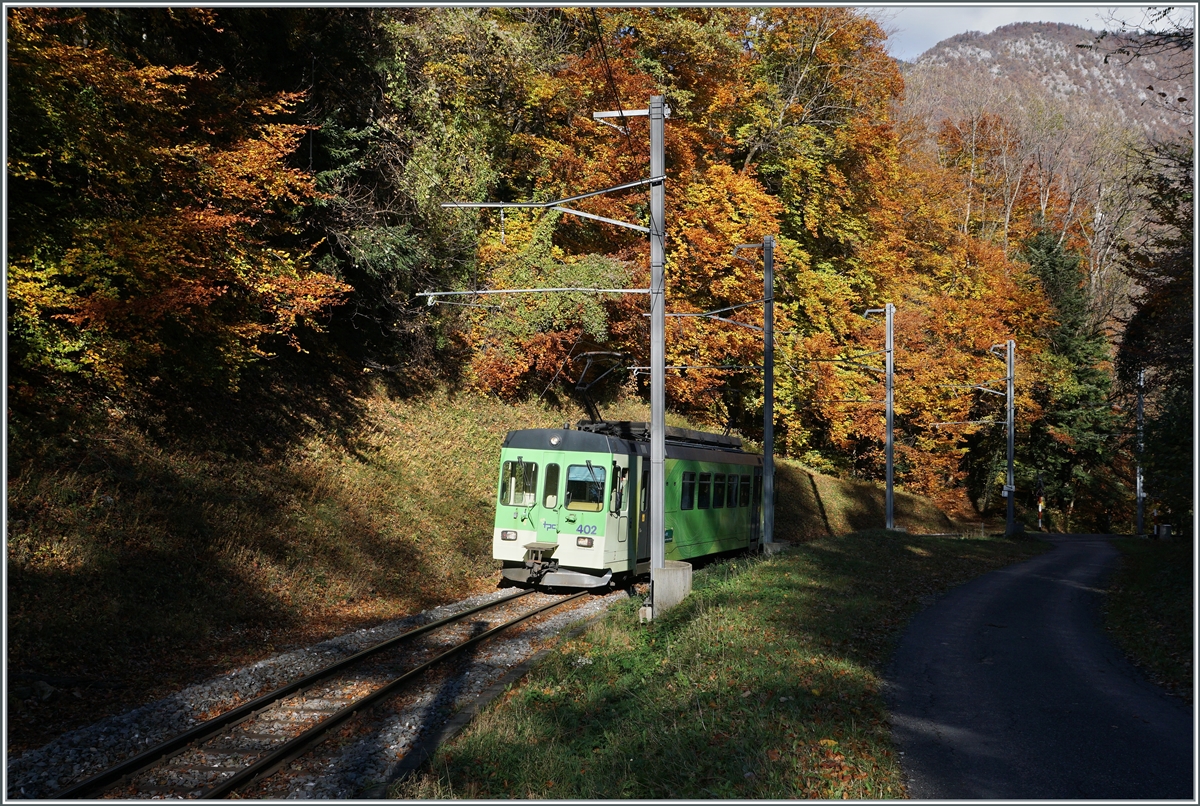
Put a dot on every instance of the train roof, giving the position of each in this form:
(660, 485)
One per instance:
(640, 431)
(629, 436)
(566, 440)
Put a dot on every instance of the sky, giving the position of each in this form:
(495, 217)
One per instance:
(914, 29)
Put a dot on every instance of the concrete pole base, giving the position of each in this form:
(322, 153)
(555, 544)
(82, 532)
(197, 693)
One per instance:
(671, 585)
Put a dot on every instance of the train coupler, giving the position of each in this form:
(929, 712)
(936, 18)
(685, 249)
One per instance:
(538, 560)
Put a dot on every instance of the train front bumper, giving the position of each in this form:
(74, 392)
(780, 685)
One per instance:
(559, 577)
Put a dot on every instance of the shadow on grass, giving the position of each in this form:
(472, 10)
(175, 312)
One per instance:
(278, 403)
(764, 683)
(810, 505)
(1150, 609)
(138, 562)
(154, 547)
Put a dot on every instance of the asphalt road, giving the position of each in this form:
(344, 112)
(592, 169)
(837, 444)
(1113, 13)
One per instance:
(1008, 688)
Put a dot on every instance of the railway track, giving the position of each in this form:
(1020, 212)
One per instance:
(240, 750)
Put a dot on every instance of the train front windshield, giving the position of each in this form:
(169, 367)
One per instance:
(585, 487)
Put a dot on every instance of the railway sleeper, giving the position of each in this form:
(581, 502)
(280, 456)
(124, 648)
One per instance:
(273, 738)
(242, 750)
(206, 768)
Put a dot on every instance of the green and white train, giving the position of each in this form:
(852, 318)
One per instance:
(573, 503)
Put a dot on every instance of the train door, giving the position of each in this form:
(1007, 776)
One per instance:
(756, 510)
(618, 509)
(643, 514)
(547, 525)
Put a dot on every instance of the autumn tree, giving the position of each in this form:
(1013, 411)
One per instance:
(153, 239)
(1029, 161)
(787, 134)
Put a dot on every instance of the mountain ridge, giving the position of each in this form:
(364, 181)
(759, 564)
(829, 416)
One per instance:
(1067, 62)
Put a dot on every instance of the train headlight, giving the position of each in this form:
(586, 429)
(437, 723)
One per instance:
(586, 542)
(508, 534)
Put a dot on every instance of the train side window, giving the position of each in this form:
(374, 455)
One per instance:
(704, 496)
(687, 491)
(732, 494)
(718, 490)
(585, 487)
(758, 490)
(550, 488)
(745, 492)
(645, 496)
(518, 484)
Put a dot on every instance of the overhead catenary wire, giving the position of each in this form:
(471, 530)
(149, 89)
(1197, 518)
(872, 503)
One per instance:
(717, 310)
(562, 366)
(493, 308)
(432, 295)
(727, 367)
(612, 84)
(557, 204)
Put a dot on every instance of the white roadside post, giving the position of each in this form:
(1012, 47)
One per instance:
(889, 312)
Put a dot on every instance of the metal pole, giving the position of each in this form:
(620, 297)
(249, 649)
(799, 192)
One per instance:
(890, 311)
(658, 355)
(769, 389)
(1141, 495)
(1009, 484)
(1041, 499)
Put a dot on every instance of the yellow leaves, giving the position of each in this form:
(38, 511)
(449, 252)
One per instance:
(253, 172)
(507, 236)
(166, 211)
(29, 287)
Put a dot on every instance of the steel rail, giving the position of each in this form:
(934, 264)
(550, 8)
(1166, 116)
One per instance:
(173, 746)
(302, 743)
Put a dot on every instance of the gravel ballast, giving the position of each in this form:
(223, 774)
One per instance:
(362, 764)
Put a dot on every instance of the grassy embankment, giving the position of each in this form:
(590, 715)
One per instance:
(1150, 610)
(764, 683)
(136, 565)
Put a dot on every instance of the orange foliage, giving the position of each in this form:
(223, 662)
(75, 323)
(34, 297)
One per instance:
(792, 138)
(175, 253)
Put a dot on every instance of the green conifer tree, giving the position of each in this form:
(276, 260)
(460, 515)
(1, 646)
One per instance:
(1071, 447)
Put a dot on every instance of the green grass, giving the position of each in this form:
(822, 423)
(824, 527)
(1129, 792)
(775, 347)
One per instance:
(1150, 609)
(764, 683)
(236, 539)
